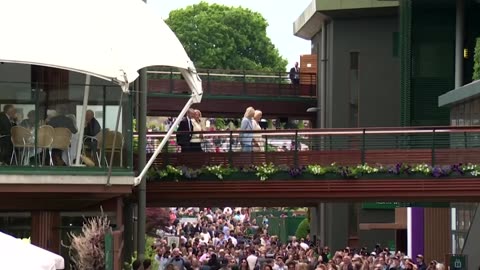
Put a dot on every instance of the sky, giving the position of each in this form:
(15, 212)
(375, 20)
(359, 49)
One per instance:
(280, 18)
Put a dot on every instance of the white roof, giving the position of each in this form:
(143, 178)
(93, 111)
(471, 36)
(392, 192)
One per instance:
(110, 39)
(16, 254)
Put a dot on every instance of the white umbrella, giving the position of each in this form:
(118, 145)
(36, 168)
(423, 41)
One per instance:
(109, 39)
(16, 254)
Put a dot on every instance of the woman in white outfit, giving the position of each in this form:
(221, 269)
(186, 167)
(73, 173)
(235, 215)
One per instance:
(246, 138)
(196, 141)
(258, 142)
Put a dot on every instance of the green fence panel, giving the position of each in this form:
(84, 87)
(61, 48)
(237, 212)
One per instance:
(292, 225)
(108, 251)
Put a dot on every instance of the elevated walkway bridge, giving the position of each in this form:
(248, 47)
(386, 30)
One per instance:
(227, 93)
(410, 164)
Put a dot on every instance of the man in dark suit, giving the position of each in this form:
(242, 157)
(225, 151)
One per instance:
(61, 120)
(185, 127)
(7, 121)
(92, 128)
(295, 74)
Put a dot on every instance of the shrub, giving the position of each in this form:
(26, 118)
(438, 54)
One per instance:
(476, 67)
(303, 229)
(150, 252)
(156, 219)
(87, 250)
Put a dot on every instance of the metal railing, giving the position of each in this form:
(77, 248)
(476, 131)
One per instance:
(235, 82)
(386, 146)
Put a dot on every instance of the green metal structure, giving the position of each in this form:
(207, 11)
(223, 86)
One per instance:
(427, 36)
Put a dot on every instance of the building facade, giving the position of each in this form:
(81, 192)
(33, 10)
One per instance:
(44, 193)
(464, 106)
(384, 63)
(359, 86)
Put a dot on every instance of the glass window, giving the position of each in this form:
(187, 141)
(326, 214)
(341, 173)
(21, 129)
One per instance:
(476, 112)
(463, 221)
(467, 115)
(454, 116)
(461, 115)
(41, 119)
(16, 224)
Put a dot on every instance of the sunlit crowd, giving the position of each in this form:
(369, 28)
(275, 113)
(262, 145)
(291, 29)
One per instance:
(229, 239)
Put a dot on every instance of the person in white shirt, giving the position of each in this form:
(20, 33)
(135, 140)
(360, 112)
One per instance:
(252, 260)
(205, 236)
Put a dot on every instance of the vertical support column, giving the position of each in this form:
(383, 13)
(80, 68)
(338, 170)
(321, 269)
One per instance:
(322, 230)
(119, 236)
(317, 223)
(314, 222)
(415, 231)
(321, 123)
(459, 39)
(321, 96)
(119, 213)
(406, 60)
(438, 233)
(142, 161)
(128, 232)
(45, 230)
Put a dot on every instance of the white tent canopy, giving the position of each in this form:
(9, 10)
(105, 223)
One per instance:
(16, 254)
(109, 39)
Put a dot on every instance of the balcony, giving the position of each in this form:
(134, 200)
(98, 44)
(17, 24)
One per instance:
(232, 83)
(40, 124)
(375, 164)
(228, 92)
(294, 148)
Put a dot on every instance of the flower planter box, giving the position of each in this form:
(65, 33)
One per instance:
(242, 176)
(285, 176)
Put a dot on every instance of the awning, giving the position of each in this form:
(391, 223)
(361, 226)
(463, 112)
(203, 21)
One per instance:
(16, 254)
(110, 39)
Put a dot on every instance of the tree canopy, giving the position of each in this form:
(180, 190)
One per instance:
(222, 37)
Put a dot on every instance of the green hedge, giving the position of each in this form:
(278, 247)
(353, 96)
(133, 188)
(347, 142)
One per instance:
(303, 229)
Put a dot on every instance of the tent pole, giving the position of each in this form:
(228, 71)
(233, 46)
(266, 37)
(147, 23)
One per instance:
(142, 157)
(115, 139)
(164, 141)
(82, 120)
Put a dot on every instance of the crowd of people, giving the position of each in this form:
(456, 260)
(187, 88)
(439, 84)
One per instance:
(229, 240)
